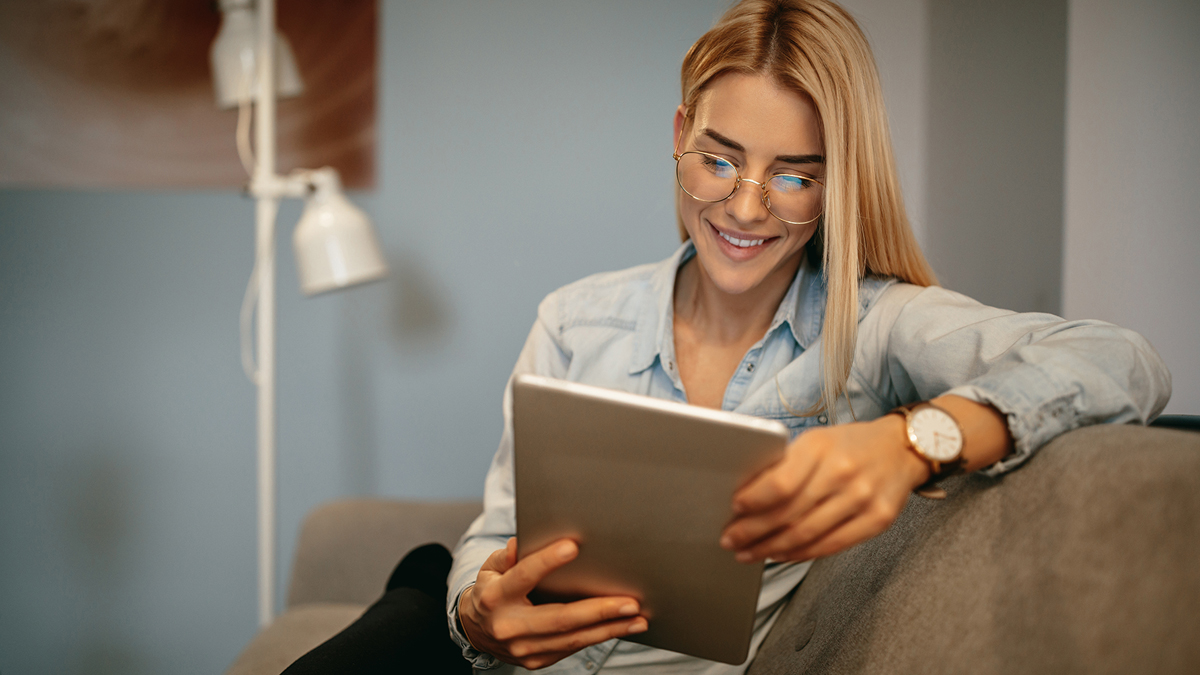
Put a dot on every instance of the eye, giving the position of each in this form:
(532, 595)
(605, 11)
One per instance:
(786, 183)
(718, 167)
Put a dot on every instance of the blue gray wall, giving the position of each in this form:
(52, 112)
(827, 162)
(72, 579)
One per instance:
(522, 145)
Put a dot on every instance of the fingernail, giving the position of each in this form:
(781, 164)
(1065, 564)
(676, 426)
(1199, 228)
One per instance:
(566, 551)
(638, 626)
(628, 610)
(727, 543)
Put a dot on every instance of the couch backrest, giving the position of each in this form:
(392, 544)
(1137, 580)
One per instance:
(1086, 560)
(347, 548)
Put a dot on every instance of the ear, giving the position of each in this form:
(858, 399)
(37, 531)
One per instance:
(680, 118)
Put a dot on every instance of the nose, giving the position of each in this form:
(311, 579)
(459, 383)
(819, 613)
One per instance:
(746, 204)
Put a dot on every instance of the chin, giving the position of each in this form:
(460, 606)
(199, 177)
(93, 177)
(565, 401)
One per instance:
(735, 281)
(735, 278)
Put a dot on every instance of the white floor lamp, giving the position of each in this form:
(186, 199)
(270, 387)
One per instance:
(334, 241)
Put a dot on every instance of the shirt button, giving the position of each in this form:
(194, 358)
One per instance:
(749, 367)
(590, 665)
(822, 419)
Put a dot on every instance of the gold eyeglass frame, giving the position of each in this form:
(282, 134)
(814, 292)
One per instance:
(766, 200)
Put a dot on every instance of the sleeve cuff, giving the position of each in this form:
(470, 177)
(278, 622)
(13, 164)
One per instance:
(479, 660)
(1034, 419)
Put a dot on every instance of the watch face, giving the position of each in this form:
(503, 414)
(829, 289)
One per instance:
(936, 434)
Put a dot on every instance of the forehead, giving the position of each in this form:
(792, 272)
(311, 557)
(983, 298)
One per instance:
(759, 115)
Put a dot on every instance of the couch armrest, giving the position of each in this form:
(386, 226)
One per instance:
(347, 548)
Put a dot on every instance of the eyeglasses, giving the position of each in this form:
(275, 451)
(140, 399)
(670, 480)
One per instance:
(793, 198)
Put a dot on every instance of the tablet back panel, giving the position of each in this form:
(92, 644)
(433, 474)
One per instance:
(645, 486)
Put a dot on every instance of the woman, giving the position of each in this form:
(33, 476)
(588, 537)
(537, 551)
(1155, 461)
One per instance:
(783, 302)
(799, 294)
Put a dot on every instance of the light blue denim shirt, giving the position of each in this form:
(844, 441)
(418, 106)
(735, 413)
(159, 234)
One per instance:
(614, 330)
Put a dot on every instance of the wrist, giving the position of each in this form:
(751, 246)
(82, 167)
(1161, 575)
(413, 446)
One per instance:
(916, 470)
(465, 621)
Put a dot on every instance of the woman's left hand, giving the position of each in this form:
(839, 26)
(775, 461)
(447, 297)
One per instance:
(835, 487)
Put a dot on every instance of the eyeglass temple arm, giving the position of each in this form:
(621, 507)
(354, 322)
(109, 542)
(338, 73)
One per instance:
(675, 151)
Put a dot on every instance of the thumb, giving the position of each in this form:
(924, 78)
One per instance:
(500, 560)
(510, 551)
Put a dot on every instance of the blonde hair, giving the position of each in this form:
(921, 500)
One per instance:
(815, 48)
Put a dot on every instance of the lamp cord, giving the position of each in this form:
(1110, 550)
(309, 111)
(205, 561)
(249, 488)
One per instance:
(245, 116)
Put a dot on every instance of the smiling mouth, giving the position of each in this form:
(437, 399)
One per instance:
(740, 243)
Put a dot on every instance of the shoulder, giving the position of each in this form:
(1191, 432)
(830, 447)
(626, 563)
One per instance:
(613, 299)
(611, 317)
(888, 305)
(894, 298)
(933, 311)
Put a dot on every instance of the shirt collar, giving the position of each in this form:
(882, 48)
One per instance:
(654, 336)
(802, 309)
(803, 306)
(806, 313)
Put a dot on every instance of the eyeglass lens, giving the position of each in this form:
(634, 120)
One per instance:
(709, 178)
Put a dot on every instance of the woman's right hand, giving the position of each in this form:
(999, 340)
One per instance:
(499, 619)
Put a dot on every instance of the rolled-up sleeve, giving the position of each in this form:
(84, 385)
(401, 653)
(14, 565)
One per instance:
(1045, 374)
(542, 355)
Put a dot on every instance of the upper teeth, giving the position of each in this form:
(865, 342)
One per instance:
(742, 243)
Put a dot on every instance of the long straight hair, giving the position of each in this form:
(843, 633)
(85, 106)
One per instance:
(815, 48)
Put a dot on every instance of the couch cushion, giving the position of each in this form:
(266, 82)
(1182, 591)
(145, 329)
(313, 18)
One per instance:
(292, 635)
(1087, 560)
(348, 548)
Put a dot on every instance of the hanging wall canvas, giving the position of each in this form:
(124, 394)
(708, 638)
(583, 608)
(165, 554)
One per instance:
(117, 94)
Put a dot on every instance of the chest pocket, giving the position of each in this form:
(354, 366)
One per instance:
(768, 401)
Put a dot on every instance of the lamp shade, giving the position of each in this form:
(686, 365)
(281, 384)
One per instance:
(233, 57)
(334, 240)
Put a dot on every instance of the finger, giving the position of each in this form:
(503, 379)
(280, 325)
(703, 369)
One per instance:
(551, 619)
(840, 538)
(810, 527)
(523, 577)
(775, 485)
(747, 530)
(864, 522)
(756, 525)
(542, 660)
(576, 640)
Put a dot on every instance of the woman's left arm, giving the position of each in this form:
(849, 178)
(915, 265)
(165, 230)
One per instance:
(841, 485)
(1012, 381)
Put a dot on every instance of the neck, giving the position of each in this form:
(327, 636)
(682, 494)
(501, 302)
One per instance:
(727, 318)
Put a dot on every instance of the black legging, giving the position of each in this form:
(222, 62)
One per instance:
(405, 631)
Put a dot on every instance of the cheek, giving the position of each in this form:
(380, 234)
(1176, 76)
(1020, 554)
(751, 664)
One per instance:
(802, 233)
(692, 213)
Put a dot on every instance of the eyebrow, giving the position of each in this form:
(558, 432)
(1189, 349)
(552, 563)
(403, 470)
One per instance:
(786, 159)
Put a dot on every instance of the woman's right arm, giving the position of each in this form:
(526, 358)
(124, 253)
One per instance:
(489, 614)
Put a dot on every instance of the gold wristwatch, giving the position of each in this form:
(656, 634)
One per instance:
(936, 437)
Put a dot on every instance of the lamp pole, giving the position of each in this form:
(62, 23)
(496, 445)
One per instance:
(335, 244)
(266, 209)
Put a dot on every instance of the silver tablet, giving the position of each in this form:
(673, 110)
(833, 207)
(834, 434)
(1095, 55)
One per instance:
(644, 486)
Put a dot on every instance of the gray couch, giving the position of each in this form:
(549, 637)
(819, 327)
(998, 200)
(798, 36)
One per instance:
(1087, 560)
